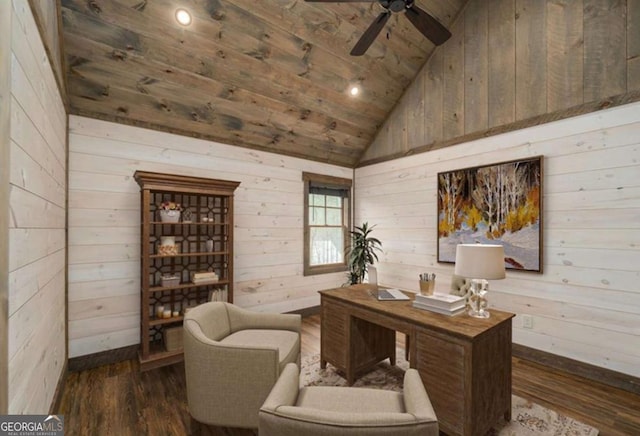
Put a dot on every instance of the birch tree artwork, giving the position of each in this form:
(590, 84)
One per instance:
(498, 203)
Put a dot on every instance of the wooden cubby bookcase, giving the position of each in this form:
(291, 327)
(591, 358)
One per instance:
(203, 198)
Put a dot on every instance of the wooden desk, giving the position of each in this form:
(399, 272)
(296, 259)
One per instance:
(464, 362)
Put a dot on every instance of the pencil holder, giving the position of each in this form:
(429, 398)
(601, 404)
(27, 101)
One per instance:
(427, 287)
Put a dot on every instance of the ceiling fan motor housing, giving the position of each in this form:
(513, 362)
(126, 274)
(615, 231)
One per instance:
(395, 5)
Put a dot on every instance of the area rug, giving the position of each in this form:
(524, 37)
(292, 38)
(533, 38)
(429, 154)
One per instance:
(527, 418)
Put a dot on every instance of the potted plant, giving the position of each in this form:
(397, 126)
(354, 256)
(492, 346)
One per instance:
(361, 252)
(170, 211)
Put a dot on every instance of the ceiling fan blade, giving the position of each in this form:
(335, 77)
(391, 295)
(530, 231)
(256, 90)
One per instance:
(370, 34)
(427, 25)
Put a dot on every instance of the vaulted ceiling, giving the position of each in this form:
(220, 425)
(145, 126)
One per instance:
(271, 75)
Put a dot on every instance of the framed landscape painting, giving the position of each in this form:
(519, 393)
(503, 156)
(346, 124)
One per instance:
(493, 204)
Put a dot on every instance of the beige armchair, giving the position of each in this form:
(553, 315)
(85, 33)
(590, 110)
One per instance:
(233, 357)
(329, 411)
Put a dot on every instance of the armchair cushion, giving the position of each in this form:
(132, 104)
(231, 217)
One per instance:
(286, 342)
(329, 411)
(343, 399)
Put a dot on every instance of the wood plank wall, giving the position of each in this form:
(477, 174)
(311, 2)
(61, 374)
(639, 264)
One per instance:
(104, 245)
(586, 304)
(48, 19)
(37, 235)
(512, 60)
(5, 120)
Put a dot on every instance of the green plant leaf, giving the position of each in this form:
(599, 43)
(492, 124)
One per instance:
(362, 251)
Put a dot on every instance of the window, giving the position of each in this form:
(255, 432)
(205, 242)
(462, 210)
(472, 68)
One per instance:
(327, 220)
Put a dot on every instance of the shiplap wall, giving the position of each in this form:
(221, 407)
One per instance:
(586, 304)
(5, 122)
(48, 18)
(512, 60)
(104, 225)
(37, 346)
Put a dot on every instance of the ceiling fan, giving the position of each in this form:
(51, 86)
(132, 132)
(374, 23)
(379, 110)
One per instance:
(425, 23)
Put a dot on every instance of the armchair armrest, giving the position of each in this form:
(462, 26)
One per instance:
(285, 391)
(416, 400)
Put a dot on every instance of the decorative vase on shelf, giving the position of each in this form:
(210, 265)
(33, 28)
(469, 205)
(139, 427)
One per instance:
(168, 246)
(209, 245)
(167, 240)
(187, 216)
(169, 216)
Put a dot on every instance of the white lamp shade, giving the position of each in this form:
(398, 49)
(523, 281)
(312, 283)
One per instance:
(480, 261)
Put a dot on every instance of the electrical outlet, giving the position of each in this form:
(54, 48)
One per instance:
(527, 321)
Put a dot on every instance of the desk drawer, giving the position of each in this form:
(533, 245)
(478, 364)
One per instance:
(334, 333)
(441, 363)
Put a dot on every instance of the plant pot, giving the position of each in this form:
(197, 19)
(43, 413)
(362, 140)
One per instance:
(169, 216)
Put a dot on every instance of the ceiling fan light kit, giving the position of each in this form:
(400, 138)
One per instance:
(183, 17)
(421, 20)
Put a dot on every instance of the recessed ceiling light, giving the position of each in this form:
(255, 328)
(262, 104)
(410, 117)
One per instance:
(355, 90)
(183, 17)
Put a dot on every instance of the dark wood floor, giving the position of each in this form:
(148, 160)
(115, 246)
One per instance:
(119, 400)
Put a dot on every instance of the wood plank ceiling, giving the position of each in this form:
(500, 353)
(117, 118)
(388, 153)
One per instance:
(271, 75)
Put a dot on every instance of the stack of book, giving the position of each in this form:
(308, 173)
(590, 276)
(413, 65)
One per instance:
(219, 294)
(440, 303)
(204, 277)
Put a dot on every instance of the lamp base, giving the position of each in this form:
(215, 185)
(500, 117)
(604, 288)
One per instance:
(478, 299)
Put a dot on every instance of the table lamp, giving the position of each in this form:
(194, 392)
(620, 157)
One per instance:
(479, 263)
